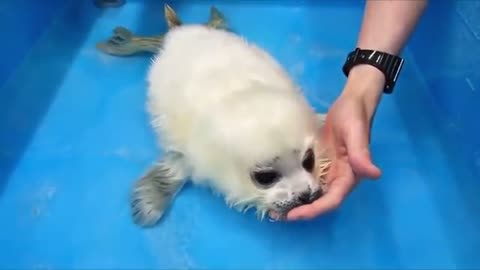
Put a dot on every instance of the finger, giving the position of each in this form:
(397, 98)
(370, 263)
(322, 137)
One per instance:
(362, 165)
(358, 152)
(331, 200)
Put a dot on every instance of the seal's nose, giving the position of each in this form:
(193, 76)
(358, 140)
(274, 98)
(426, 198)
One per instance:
(316, 195)
(304, 197)
(307, 197)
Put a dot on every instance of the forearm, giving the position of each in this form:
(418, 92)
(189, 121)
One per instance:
(386, 26)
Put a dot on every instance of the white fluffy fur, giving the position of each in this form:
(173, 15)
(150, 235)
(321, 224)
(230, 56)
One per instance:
(227, 105)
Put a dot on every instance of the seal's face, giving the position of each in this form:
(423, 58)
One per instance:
(260, 151)
(286, 181)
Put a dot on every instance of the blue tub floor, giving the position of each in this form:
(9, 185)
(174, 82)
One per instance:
(75, 136)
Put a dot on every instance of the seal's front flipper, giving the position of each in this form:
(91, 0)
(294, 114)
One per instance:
(154, 192)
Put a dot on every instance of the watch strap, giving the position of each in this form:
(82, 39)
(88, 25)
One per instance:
(390, 65)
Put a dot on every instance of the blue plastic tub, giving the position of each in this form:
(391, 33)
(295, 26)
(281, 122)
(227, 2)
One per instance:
(74, 136)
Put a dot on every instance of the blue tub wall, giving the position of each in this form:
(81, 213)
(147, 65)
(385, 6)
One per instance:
(446, 53)
(25, 20)
(23, 104)
(446, 49)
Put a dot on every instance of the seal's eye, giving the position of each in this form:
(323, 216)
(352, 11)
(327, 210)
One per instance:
(309, 160)
(265, 178)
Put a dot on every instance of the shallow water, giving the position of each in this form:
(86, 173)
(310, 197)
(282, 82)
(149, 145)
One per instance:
(75, 135)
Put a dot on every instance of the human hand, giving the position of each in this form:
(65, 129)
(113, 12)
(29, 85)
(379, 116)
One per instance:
(347, 134)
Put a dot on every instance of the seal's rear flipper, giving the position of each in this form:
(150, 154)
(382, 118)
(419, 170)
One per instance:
(217, 20)
(115, 45)
(122, 35)
(155, 191)
(171, 17)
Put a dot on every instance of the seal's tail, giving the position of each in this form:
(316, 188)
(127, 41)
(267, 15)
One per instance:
(154, 192)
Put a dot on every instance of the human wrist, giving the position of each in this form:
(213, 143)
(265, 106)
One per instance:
(365, 80)
(365, 83)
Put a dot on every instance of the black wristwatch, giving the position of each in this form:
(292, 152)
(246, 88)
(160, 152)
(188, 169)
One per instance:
(389, 65)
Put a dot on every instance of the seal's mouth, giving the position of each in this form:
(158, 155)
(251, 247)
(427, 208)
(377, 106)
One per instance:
(279, 214)
(280, 210)
(276, 215)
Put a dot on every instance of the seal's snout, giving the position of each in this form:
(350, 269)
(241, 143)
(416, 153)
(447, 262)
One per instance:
(309, 197)
(282, 208)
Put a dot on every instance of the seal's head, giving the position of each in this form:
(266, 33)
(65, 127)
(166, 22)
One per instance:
(262, 151)
(287, 181)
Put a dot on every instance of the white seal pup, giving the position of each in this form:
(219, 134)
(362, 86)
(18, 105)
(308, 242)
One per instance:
(229, 117)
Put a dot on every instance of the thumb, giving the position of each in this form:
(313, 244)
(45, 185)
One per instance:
(357, 144)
